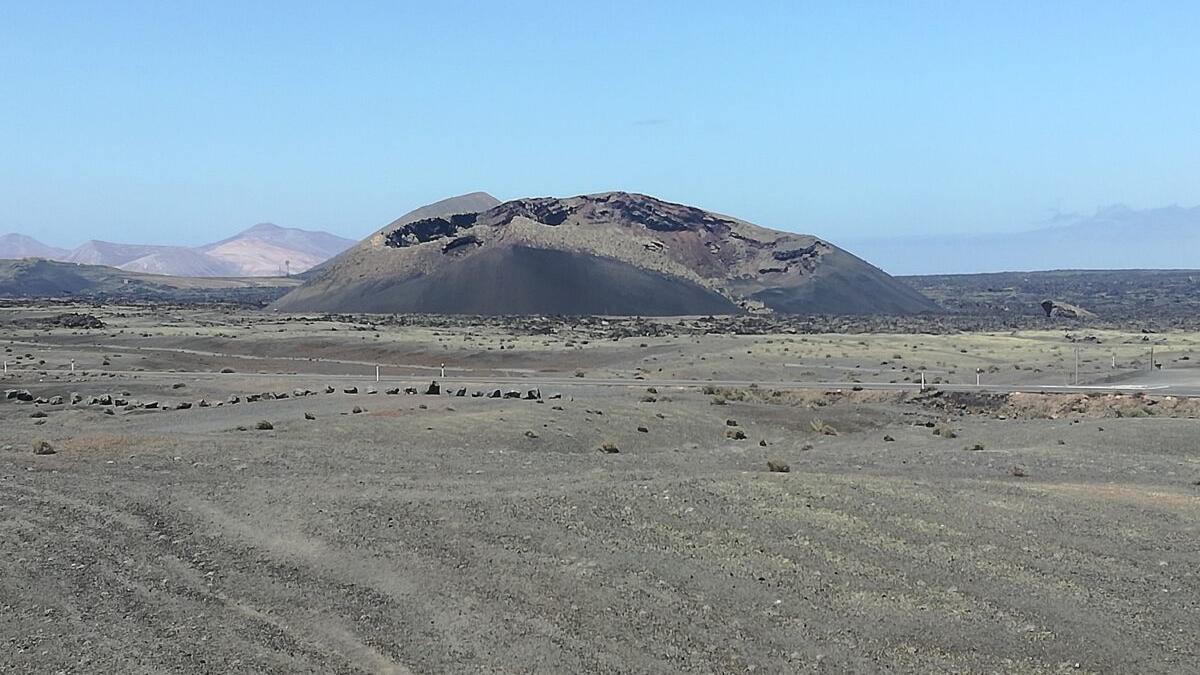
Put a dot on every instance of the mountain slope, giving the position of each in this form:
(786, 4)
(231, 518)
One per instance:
(109, 254)
(270, 250)
(17, 246)
(472, 202)
(614, 252)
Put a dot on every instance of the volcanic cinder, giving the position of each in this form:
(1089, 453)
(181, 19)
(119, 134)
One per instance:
(611, 253)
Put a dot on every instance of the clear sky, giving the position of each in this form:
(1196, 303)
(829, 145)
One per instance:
(182, 122)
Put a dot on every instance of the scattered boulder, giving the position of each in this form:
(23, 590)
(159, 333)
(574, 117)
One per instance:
(184, 406)
(533, 394)
(76, 398)
(264, 426)
(234, 399)
(643, 430)
(75, 320)
(350, 390)
(735, 434)
(394, 391)
(203, 403)
(330, 390)
(43, 447)
(309, 416)
(1018, 472)
(778, 467)
(433, 389)
(609, 448)
(410, 391)
(461, 392)
(1062, 310)
(512, 393)
(38, 414)
(495, 394)
(56, 400)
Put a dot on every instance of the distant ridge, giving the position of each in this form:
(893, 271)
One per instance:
(260, 251)
(1113, 238)
(16, 246)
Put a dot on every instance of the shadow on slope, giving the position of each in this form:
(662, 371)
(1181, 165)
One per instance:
(520, 280)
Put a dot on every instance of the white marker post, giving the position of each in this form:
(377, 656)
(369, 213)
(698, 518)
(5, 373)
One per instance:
(1077, 366)
(376, 373)
(978, 376)
(72, 365)
(443, 371)
(922, 380)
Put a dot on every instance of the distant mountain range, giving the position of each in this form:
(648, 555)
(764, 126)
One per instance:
(1115, 237)
(262, 251)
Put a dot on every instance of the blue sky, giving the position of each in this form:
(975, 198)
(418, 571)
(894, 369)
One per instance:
(182, 122)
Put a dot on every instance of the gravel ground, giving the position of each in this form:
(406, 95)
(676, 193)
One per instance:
(445, 534)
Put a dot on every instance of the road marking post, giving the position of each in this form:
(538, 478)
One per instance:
(376, 373)
(443, 371)
(922, 380)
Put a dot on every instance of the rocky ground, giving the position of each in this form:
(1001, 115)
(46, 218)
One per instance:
(292, 515)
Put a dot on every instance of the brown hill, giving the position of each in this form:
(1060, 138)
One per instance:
(610, 253)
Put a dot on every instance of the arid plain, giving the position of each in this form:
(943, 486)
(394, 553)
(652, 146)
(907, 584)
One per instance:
(231, 490)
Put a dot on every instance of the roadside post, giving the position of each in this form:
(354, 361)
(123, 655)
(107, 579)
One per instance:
(376, 373)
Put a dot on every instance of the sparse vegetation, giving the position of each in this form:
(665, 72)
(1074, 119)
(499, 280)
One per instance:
(821, 427)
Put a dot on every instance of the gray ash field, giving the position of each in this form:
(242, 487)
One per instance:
(617, 514)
